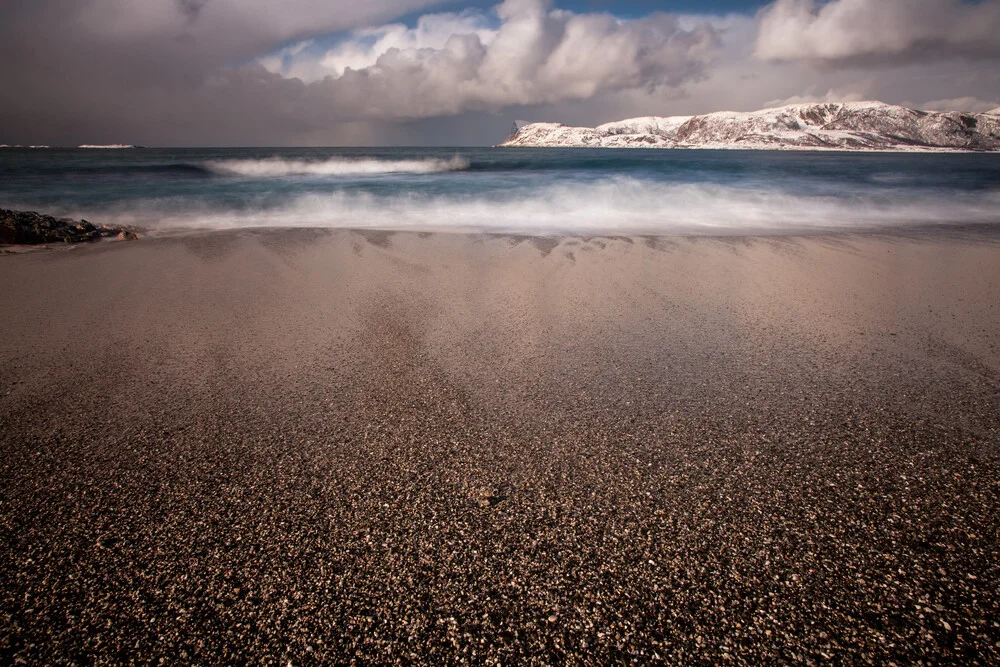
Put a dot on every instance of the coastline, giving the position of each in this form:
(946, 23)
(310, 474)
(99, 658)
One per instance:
(912, 150)
(860, 126)
(324, 444)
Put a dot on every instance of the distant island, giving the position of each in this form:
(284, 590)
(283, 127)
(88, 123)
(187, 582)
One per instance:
(857, 126)
(115, 146)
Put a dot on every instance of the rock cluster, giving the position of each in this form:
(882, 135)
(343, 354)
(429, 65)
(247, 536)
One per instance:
(29, 227)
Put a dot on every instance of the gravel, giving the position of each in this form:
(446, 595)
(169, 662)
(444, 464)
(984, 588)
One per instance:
(312, 447)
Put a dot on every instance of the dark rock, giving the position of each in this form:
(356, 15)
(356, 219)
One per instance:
(31, 228)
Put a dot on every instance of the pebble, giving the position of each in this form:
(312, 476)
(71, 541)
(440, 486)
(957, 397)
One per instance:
(311, 447)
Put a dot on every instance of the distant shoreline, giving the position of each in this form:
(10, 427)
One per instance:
(80, 147)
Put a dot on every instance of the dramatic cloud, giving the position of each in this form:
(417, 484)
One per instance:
(122, 70)
(113, 70)
(860, 32)
(452, 63)
(310, 61)
(342, 72)
(211, 30)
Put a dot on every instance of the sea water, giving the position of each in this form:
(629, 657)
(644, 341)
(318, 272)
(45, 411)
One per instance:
(510, 190)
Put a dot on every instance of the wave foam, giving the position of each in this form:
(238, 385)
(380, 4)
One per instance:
(613, 206)
(278, 167)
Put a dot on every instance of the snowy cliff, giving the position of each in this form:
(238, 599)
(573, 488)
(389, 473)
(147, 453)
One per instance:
(850, 126)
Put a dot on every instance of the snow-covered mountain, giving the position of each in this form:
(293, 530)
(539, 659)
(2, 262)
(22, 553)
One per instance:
(849, 126)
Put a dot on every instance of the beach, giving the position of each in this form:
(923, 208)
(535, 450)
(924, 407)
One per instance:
(306, 446)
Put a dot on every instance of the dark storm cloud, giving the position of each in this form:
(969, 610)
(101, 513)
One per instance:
(191, 8)
(156, 72)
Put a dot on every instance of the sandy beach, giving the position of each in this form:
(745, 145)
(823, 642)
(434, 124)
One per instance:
(313, 447)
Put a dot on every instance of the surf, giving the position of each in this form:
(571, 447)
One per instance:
(277, 167)
(608, 206)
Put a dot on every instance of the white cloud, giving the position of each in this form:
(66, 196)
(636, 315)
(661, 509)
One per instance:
(876, 32)
(972, 104)
(432, 32)
(450, 63)
(833, 95)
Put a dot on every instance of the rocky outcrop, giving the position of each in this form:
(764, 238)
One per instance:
(31, 228)
(851, 126)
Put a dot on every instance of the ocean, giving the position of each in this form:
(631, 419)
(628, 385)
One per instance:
(506, 190)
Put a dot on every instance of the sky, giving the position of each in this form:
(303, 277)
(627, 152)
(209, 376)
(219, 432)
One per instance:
(427, 72)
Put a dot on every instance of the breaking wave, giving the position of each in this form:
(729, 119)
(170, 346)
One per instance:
(615, 205)
(279, 167)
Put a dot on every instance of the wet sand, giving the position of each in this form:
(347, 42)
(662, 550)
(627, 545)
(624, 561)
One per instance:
(315, 447)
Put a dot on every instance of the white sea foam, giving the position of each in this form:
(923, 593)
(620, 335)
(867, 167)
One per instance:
(621, 206)
(278, 167)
